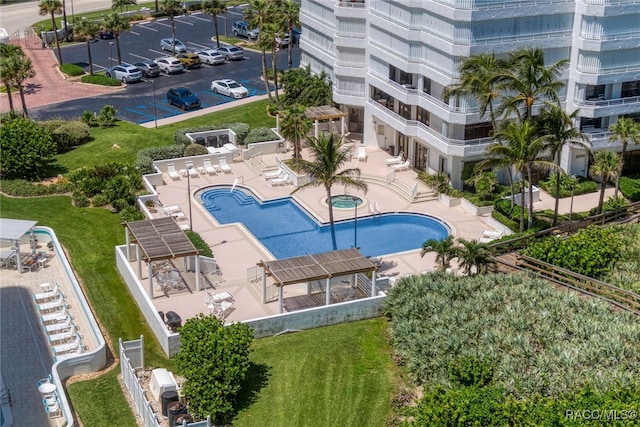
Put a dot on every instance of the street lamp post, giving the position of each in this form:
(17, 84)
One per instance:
(355, 222)
(189, 195)
(573, 186)
(111, 53)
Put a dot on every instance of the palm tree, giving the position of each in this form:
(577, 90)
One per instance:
(215, 8)
(519, 148)
(52, 7)
(294, 126)
(472, 253)
(529, 79)
(625, 130)
(115, 4)
(268, 40)
(256, 15)
(290, 15)
(8, 55)
(116, 24)
(445, 250)
(89, 30)
(560, 130)
(328, 156)
(480, 77)
(607, 166)
(172, 8)
(23, 70)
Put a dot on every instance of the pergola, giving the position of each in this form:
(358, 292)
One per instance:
(13, 230)
(320, 266)
(156, 240)
(325, 112)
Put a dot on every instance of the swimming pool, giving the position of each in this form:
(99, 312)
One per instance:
(287, 230)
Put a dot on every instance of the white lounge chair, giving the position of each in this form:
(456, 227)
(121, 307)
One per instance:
(394, 160)
(72, 353)
(53, 305)
(402, 166)
(45, 296)
(208, 168)
(173, 173)
(69, 347)
(273, 174)
(55, 317)
(284, 180)
(63, 336)
(224, 166)
(362, 153)
(193, 173)
(489, 235)
(64, 325)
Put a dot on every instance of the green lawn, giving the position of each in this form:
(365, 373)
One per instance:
(131, 137)
(341, 375)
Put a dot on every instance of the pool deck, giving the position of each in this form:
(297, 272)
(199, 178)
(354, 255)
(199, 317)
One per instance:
(237, 252)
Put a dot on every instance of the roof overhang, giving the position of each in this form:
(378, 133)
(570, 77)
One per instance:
(160, 238)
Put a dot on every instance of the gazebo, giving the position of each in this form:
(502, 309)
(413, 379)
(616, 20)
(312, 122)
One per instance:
(13, 230)
(156, 240)
(325, 112)
(320, 266)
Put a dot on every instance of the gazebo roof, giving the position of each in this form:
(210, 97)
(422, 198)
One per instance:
(317, 266)
(323, 112)
(161, 238)
(14, 229)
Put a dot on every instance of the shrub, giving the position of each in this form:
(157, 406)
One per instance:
(195, 150)
(580, 186)
(241, 130)
(79, 199)
(89, 118)
(98, 79)
(260, 134)
(131, 213)
(99, 200)
(146, 157)
(630, 188)
(471, 371)
(107, 116)
(200, 244)
(26, 149)
(72, 69)
(68, 134)
(22, 188)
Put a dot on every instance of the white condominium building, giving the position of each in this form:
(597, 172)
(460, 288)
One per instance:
(390, 60)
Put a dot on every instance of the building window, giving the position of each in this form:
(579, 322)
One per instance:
(442, 164)
(426, 85)
(587, 123)
(422, 116)
(404, 110)
(477, 131)
(594, 92)
(630, 89)
(403, 144)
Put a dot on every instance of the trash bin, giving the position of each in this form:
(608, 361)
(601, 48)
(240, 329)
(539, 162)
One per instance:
(180, 419)
(391, 150)
(174, 409)
(200, 140)
(174, 321)
(168, 397)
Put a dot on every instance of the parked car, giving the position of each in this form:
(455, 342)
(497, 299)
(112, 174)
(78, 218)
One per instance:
(230, 88)
(231, 52)
(211, 57)
(126, 73)
(167, 44)
(106, 34)
(148, 68)
(189, 60)
(169, 65)
(241, 29)
(283, 41)
(183, 98)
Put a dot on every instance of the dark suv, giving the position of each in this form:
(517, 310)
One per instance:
(183, 98)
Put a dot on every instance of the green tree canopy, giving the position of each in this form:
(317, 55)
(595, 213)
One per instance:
(214, 360)
(26, 149)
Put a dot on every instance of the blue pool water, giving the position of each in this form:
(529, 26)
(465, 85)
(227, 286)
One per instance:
(287, 230)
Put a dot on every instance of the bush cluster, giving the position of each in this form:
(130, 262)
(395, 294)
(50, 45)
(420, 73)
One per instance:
(241, 130)
(67, 134)
(260, 134)
(630, 187)
(200, 244)
(146, 157)
(72, 69)
(195, 150)
(580, 186)
(97, 79)
(23, 188)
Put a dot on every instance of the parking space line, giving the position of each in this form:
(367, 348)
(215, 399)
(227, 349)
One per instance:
(133, 32)
(201, 46)
(185, 22)
(147, 28)
(144, 58)
(161, 53)
(201, 19)
(163, 24)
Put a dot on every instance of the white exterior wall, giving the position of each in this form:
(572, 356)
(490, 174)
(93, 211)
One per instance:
(356, 43)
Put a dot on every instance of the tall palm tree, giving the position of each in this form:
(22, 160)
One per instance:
(256, 15)
(480, 77)
(445, 250)
(559, 129)
(8, 55)
(627, 131)
(267, 40)
(606, 166)
(472, 253)
(88, 29)
(116, 24)
(172, 8)
(294, 126)
(121, 4)
(52, 7)
(23, 70)
(328, 156)
(214, 8)
(530, 80)
(519, 147)
(290, 16)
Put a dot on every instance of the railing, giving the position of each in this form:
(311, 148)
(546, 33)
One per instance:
(350, 3)
(476, 5)
(607, 102)
(609, 70)
(610, 2)
(622, 298)
(609, 37)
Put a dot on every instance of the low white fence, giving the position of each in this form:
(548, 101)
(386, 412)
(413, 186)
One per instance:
(143, 407)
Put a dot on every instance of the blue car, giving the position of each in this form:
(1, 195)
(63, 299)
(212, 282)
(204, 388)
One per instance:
(183, 98)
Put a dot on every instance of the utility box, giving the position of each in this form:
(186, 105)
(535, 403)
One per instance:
(162, 381)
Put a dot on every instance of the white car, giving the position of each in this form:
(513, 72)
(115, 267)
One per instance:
(210, 56)
(231, 52)
(230, 88)
(169, 65)
(167, 44)
(126, 73)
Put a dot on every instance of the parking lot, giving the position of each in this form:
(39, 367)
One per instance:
(146, 101)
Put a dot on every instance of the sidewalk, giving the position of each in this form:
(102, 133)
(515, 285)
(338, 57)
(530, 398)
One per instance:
(582, 203)
(49, 85)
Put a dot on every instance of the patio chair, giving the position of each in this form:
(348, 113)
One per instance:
(208, 168)
(211, 298)
(362, 153)
(224, 166)
(52, 406)
(193, 173)
(488, 236)
(68, 347)
(279, 181)
(402, 166)
(56, 316)
(72, 353)
(394, 160)
(273, 174)
(45, 296)
(53, 305)
(66, 324)
(173, 173)
(63, 337)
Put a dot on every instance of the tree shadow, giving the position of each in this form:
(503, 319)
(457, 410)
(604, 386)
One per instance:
(257, 378)
(32, 88)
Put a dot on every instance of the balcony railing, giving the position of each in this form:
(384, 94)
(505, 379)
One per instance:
(610, 2)
(609, 70)
(350, 3)
(609, 37)
(475, 5)
(607, 102)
